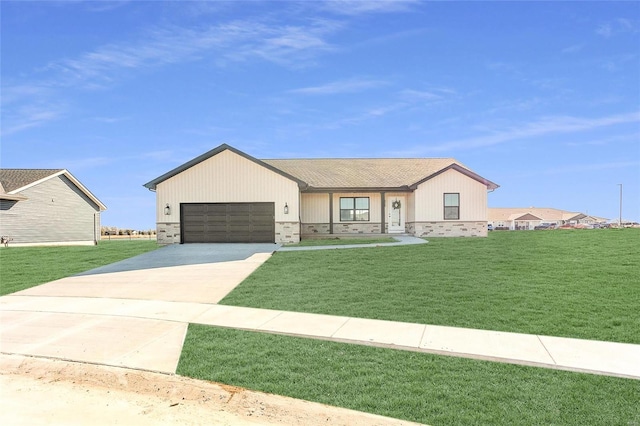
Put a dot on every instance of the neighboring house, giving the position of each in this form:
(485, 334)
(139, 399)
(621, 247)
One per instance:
(529, 217)
(47, 207)
(226, 195)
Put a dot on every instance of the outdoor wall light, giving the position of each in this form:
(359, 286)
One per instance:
(286, 208)
(167, 209)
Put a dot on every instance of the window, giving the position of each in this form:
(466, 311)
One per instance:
(452, 206)
(354, 209)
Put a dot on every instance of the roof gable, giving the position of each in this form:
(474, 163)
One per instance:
(13, 181)
(151, 185)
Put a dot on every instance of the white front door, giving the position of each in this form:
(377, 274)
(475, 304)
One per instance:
(396, 208)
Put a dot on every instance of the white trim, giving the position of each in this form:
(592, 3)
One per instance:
(47, 244)
(72, 178)
(401, 228)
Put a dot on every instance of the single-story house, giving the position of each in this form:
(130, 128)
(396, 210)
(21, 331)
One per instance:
(530, 217)
(47, 207)
(226, 195)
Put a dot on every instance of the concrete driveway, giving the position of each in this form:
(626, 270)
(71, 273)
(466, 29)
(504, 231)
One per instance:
(185, 254)
(132, 313)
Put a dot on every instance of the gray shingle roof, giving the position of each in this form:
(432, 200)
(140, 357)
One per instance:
(360, 172)
(344, 173)
(12, 179)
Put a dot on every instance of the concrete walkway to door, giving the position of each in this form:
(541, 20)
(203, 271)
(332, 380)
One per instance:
(138, 319)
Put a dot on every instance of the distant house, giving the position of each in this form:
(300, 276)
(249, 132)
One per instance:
(528, 218)
(226, 195)
(47, 207)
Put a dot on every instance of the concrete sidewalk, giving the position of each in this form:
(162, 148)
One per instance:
(111, 332)
(401, 240)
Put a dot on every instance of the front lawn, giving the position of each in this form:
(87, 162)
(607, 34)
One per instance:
(572, 283)
(431, 389)
(25, 267)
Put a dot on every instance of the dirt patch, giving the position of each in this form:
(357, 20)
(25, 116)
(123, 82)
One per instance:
(43, 391)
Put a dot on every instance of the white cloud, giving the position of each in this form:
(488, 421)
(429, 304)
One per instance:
(618, 62)
(544, 126)
(342, 86)
(618, 26)
(24, 104)
(359, 7)
(289, 45)
(574, 48)
(632, 138)
(29, 116)
(426, 95)
(110, 120)
(580, 168)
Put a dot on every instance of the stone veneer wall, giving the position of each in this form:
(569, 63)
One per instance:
(168, 232)
(314, 228)
(341, 228)
(287, 232)
(447, 229)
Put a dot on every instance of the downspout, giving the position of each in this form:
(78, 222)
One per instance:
(95, 235)
(331, 213)
(299, 215)
(383, 223)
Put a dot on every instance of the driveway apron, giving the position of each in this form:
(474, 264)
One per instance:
(51, 320)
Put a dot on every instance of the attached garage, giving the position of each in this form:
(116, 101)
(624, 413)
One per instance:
(227, 222)
(227, 196)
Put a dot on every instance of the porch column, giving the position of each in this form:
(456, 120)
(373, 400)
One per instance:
(331, 213)
(382, 217)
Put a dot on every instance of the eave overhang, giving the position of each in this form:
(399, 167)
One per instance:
(325, 190)
(13, 197)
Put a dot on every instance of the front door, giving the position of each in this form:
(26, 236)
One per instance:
(396, 208)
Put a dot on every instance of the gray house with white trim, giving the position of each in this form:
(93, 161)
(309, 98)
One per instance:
(47, 207)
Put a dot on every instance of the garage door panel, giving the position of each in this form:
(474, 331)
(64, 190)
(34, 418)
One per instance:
(228, 222)
(195, 208)
(217, 220)
(216, 208)
(243, 218)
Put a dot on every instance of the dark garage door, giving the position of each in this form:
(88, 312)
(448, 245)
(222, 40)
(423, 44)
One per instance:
(227, 222)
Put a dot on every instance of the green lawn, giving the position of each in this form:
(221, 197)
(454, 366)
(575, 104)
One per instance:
(426, 388)
(24, 267)
(342, 241)
(575, 283)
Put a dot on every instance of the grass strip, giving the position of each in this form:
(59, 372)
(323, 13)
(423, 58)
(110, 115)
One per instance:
(580, 283)
(25, 267)
(420, 387)
(341, 241)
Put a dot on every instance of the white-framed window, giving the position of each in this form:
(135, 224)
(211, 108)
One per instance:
(354, 209)
(452, 206)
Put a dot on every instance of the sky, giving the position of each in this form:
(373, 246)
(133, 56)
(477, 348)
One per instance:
(542, 98)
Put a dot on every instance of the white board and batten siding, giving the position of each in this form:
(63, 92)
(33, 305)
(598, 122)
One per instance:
(429, 199)
(55, 211)
(227, 178)
(315, 208)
